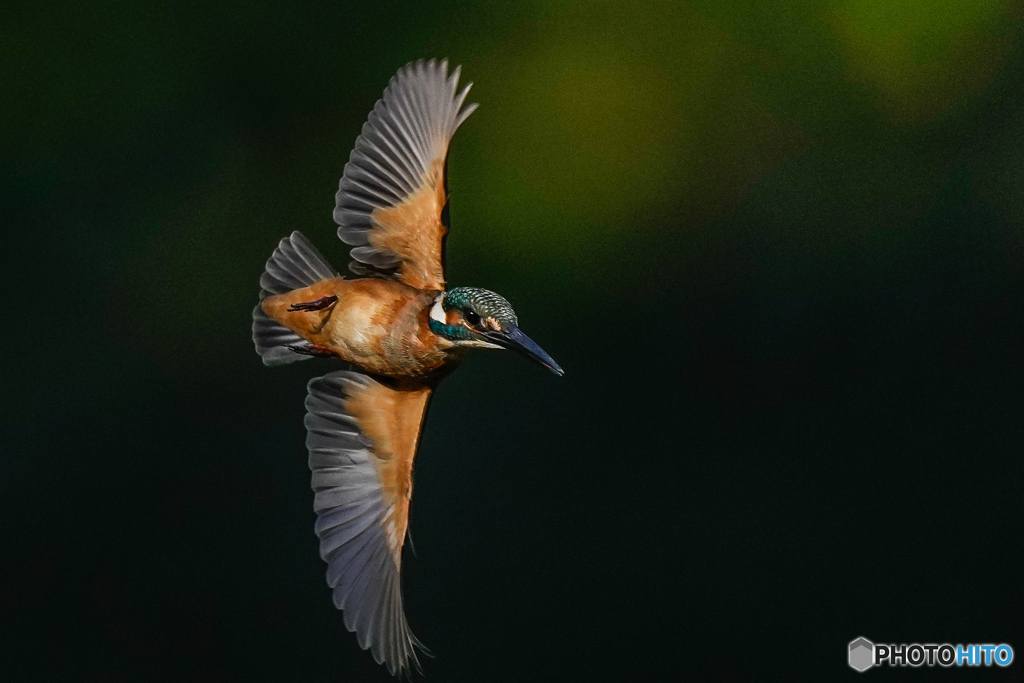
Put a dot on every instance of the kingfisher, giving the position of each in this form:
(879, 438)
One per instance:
(398, 330)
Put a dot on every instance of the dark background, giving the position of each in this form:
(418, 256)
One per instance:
(777, 247)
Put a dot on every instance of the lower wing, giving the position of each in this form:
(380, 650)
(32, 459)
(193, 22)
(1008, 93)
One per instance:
(363, 433)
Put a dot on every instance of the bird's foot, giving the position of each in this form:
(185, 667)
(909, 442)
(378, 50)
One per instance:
(312, 350)
(321, 304)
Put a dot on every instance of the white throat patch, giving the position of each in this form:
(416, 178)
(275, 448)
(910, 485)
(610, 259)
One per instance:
(437, 311)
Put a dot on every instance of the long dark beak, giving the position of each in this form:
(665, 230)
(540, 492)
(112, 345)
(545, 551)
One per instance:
(513, 338)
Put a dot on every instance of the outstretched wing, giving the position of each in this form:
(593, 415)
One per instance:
(393, 197)
(362, 438)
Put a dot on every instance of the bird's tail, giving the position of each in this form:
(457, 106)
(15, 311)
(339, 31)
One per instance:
(295, 264)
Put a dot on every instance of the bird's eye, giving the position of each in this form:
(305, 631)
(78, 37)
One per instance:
(471, 317)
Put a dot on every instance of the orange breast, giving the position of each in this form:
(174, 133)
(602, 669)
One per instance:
(379, 325)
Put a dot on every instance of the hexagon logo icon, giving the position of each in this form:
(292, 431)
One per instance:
(862, 654)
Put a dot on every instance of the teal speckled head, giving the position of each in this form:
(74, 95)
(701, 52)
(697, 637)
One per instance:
(470, 316)
(481, 305)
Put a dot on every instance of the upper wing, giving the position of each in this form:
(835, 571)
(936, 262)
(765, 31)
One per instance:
(362, 438)
(393, 197)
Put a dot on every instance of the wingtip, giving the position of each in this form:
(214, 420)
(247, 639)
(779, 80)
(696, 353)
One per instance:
(464, 114)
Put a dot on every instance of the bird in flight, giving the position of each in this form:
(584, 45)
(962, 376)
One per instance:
(399, 331)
